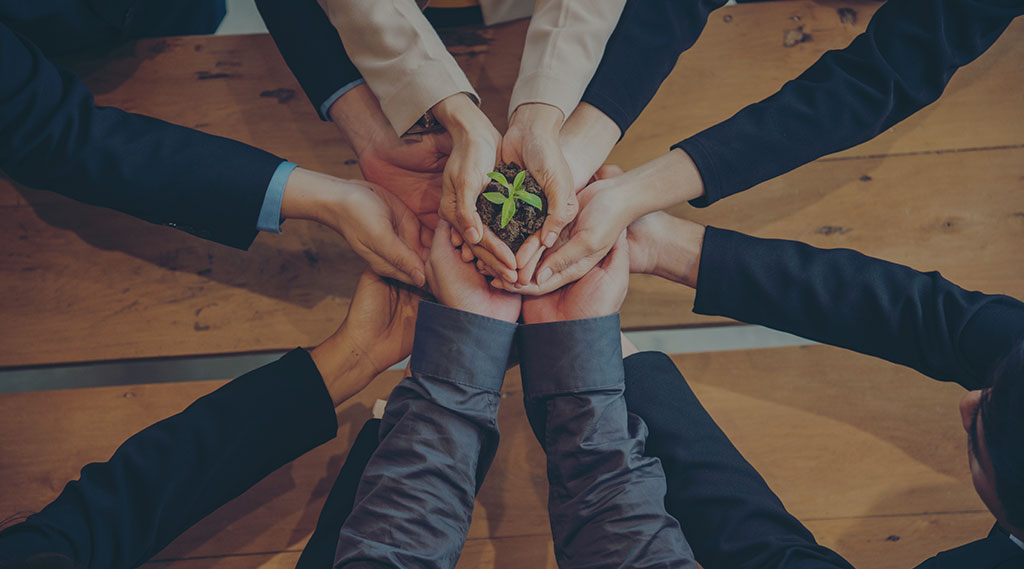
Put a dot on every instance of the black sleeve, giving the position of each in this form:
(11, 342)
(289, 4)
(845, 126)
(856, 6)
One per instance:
(641, 52)
(164, 479)
(727, 512)
(310, 46)
(846, 299)
(53, 137)
(900, 64)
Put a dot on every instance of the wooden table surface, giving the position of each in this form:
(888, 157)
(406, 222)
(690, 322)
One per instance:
(942, 190)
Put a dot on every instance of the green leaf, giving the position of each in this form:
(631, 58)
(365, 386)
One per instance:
(532, 199)
(518, 182)
(495, 197)
(507, 211)
(500, 178)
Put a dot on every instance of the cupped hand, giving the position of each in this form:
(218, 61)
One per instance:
(532, 141)
(604, 215)
(599, 293)
(457, 284)
(376, 334)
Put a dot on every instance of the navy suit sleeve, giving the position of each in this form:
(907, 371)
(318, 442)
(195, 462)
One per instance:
(901, 63)
(310, 46)
(641, 52)
(730, 516)
(164, 479)
(53, 137)
(846, 299)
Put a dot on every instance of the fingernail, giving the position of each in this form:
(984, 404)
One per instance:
(495, 283)
(511, 277)
(543, 275)
(420, 279)
(473, 236)
(549, 241)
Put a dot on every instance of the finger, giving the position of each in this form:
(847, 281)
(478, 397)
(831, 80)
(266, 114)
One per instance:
(499, 268)
(607, 171)
(456, 239)
(528, 250)
(467, 253)
(426, 238)
(562, 209)
(527, 270)
(577, 253)
(467, 219)
(403, 259)
(500, 252)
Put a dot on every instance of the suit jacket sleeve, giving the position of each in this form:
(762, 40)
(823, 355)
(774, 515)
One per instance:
(310, 46)
(901, 63)
(643, 49)
(564, 44)
(400, 56)
(167, 477)
(53, 136)
(846, 299)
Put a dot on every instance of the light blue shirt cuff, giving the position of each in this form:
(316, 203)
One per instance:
(270, 213)
(326, 105)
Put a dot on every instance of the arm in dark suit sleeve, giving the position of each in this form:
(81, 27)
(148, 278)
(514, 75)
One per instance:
(52, 136)
(164, 479)
(311, 47)
(846, 299)
(727, 512)
(641, 52)
(900, 64)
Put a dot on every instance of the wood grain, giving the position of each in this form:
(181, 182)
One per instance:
(86, 284)
(858, 448)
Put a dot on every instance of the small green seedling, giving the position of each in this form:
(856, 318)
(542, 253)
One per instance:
(515, 192)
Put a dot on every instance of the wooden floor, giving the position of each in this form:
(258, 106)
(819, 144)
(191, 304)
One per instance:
(869, 455)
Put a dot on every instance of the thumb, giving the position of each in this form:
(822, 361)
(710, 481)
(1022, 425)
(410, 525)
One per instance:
(402, 258)
(575, 255)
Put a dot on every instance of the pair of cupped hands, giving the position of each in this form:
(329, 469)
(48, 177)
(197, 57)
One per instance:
(414, 182)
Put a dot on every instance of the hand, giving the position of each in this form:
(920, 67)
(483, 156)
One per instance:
(587, 138)
(474, 153)
(410, 167)
(457, 284)
(666, 246)
(532, 141)
(599, 293)
(376, 334)
(377, 226)
(604, 215)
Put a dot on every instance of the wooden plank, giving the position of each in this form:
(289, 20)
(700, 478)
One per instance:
(71, 269)
(847, 442)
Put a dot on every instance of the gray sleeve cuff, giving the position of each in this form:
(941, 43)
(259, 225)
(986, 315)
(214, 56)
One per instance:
(325, 107)
(270, 213)
(462, 347)
(571, 356)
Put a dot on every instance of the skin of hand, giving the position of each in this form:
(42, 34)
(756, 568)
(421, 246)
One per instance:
(599, 293)
(610, 204)
(410, 166)
(457, 284)
(666, 246)
(376, 334)
(586, 139)
(376, 224)
(475, 144)
(532, 141)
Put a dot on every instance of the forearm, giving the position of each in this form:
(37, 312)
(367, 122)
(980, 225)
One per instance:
(587, 138)
(729, 515)
(162, 480)
(564, 44)
(400, 56)
(643, 49)
(55, 138)
(438, 438)
(900, 64)
(843, 298)
(605, 499)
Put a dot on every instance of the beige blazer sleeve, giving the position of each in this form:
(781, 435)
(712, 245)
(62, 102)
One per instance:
(564, 45)
(400, 56)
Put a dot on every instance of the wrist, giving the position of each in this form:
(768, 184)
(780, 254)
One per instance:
(668, 180)
(345, 368)
(679, 251)
(359, 118)
(540, 118)
(304, 196)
